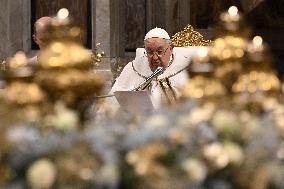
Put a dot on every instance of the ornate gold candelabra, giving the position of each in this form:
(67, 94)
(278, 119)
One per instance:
(203, 84)
(20, 87)
(234, 67)
(64, 73)
(65, 67)
(41, 97)
(229, 47)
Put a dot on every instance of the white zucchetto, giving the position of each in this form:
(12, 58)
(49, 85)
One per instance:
(157, 33)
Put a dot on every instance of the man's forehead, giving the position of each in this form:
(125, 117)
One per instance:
(155, 42)
(42, 23)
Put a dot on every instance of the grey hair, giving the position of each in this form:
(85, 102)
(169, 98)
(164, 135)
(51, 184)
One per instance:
(168, 41)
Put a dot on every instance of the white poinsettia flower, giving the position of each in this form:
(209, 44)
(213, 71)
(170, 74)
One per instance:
(234, 152)
(156, 121)
(225, 122)
(195, 169)
(201, 114)
(41, 174)
(270, 104)
(63, 119)
(216, 155)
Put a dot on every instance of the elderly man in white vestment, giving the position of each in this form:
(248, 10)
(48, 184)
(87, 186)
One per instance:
(40, 29)
(158, 52)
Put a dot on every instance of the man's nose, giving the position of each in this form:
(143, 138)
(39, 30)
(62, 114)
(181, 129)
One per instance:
(155, 56)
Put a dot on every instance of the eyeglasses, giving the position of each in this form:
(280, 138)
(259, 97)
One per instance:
(159, 53)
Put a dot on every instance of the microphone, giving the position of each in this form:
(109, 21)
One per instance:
(144, 84)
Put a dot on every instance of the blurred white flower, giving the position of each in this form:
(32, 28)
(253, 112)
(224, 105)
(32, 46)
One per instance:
(157, 121)
(109, 174)
(63, 119)
(86, 174)
(280, 152)
(250, 125)
(177, 136)
(270, 104)
(132, 158)
(195, 169)
(201, 114)
(225, 123)
(216, 155)
(184, 120)
(41, 174)
(21, 134)
(234, 152)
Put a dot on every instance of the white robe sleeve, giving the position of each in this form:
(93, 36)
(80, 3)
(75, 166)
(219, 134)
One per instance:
(127, 80)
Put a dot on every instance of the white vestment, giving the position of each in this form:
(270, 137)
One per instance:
(135, 72)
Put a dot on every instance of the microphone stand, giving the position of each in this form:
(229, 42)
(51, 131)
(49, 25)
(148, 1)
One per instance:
(144, 84)
(148, 80)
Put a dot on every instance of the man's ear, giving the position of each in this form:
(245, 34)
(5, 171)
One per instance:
(171, 46)
(34, 38)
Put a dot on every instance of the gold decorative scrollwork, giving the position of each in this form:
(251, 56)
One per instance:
(2, 64)
(189, 37)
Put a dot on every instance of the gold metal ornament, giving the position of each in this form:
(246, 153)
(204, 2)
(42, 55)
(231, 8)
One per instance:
(22, 93)
(144, 160)
(258, 76)
(232, 23)
(257, 81)
(65, 68)
(97, 56)
(202, 87)
(229, 48)
(20, 88)
(72, 174)
(203, 84)
(3, 65)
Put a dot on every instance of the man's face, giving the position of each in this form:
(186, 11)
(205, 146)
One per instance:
(38, 37)
(40, 27)
(158, 52)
